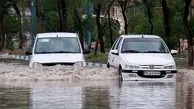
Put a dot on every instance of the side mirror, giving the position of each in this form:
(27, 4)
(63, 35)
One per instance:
(174, 52)
(28, 52)
(86, 51)
(116, 52)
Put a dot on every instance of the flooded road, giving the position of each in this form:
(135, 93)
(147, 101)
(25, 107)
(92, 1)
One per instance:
(96, 95)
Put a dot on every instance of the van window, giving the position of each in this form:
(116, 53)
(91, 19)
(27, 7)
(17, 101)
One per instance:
(57, 45)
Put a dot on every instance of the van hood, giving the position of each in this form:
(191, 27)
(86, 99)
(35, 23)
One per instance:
(149, 59)
(57, 58)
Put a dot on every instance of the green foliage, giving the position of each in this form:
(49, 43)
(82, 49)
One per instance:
(11, 24)
(52, 21)
(11, 27)
(138, 24)
(99, 58)
(2, 6)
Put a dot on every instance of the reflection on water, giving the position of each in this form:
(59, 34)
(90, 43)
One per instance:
(98, 94)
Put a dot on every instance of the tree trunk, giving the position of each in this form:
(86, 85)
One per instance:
(109, 22)
(166, 17)
(80, 29)
(110, 27)
(99, 28)
(1, 34)
(21, 37)
(125, 21)
(96, 47)
(62, 15)
(40, 16)
(188, 32)
(148, 5)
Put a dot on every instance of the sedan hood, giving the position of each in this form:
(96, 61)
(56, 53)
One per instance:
(148, 59)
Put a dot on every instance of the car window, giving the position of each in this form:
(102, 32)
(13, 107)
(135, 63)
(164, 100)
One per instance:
(115, 43)
(57, 45)
(144, 45)
(119, 44)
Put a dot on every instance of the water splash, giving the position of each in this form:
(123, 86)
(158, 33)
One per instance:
(69, 73)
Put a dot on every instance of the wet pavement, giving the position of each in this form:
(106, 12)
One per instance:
(96, 95)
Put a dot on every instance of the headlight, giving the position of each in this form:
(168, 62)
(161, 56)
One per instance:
(37, 65)
(170, 67)
(78, 64)
(132, 66)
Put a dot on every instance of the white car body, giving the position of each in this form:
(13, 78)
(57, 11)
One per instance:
(142, 65)
(49, 59)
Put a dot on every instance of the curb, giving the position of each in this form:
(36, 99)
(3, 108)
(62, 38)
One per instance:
(88, 64)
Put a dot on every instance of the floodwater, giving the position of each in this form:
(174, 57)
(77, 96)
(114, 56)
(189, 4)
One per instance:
(96, 95)
(83, 88)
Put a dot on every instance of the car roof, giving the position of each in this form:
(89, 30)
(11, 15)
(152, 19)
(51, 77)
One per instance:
(57, 34)
(140, 36)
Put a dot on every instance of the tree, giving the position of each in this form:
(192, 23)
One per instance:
(14, 4)
(62, 8)
(166, 17)
(149, 5)
(109, 21)
(188, 32)
(40, 16)
(98, 9)
(124, 5)
(3, 8)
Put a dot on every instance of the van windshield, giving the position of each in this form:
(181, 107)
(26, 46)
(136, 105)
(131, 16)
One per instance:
(144, 45)
(57, 45)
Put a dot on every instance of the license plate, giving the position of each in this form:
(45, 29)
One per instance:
(152, 73)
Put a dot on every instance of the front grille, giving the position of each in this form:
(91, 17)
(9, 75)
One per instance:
(148, 67)
(53, 64)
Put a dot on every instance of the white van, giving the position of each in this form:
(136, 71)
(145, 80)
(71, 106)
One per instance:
(142, 57)
(57, 48)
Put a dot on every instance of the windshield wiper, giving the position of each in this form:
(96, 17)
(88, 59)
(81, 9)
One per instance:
(44, 52)
(63, 52)
(153, 52)
(131, 51)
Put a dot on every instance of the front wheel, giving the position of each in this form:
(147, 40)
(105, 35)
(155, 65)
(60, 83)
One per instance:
(108, 65)
(120, 74)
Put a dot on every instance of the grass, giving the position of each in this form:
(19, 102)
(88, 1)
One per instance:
(99, 58)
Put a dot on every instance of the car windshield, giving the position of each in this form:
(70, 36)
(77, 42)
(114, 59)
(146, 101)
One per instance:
(57, 45)
(143, 45)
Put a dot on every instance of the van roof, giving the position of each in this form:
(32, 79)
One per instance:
(57, 34)
(140, 36)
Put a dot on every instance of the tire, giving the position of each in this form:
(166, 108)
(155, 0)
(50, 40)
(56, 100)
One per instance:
(107, 65)
(120, 74)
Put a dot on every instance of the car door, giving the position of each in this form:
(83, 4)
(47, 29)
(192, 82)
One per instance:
(117, 56)
(111, 56)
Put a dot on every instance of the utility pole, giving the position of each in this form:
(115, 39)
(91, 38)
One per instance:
(89, 18)
(32, 21)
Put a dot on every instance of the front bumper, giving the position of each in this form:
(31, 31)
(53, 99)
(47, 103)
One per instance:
(139, 75)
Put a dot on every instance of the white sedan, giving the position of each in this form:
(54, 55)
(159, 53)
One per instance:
(142, 57)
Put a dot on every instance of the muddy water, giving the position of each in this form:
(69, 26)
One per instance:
(96, 94)
(75, 88)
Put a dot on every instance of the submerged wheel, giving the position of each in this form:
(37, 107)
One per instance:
(107, 65)
(120, 74)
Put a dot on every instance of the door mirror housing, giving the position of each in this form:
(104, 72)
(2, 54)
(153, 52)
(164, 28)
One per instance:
(28, 52)
(174, 52)
(86, 51)
(116, 52)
